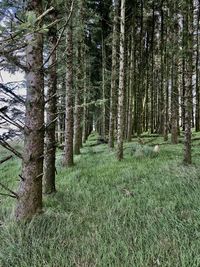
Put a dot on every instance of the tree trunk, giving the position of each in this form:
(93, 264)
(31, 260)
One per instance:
(50, 144)
(29, 202)
(131, 86)
(103, 132)
(174, 87)
(85, 99)
(152, 72)
(120, 131)
(162, 104)
(80, 85)
(166, 125)
(68, 160)
(113, 78)
(140, 89)
(188, 82)
(197, 115)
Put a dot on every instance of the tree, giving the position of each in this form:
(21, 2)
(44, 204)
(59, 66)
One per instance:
(29, 201)
(80, 81)
(113, 76)
(188, 16)
(197, 115)
(50, 144)
(120, 130)
(174, 78)
(68, 160)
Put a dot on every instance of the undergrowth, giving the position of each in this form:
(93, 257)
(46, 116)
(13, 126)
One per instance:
(142, 211)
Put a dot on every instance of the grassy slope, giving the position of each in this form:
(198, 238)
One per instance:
(91, 222)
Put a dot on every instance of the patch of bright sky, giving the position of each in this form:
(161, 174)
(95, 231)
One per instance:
(7, 77)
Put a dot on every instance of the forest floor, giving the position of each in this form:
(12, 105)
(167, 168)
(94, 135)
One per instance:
(142, 211)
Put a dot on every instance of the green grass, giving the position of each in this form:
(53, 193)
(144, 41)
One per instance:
(90, 221)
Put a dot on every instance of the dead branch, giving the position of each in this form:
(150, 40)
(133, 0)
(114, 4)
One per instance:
(6, 89)
(44, 14)
(14, 195)
(50, 123)
(5, 159)
(9, 120)
(50, 98)
(59, 38)
(13, 59)
(7, 195)
(10, 148)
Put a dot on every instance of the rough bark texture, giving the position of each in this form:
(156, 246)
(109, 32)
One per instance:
(188, 83)
(78, 119)
(131, 88)
(162, 69)
(80, 83)
(85, 98)
(30, 190)
(197, 114)
(103, 132)
(166, 126)
(175, 92)
(152, 72)
(50, 141)
(121, 85)
(69, 120)
(113, 78)
(140, 89)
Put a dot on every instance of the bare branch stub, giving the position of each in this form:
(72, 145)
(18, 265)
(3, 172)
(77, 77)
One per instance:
(13, 194)
(5, 159)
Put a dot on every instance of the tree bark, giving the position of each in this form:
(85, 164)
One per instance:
(131, 86)
(68, 160)
(197, 113)
(113, 77)
(78, 107)
(174, 87)
(80, 85)
(188, 82)
(120, 131)
(29, 202)
(152, 72)
(50, 141)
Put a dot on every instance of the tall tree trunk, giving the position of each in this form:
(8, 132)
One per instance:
(188, 82)
(78, 105)
(61, 112)
(80, 85)
(120, 129)
(152, 71)
(103, 88)
(30, 190)
(174, 87)
(197, 115)
(131, 87)
(68, 160)
(146, 108)
(166, 124)
(162, 104)
(85, 99)
(50, 143)
(140, 89)
(113, 77)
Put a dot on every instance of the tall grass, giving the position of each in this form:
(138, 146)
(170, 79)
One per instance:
(90, 221)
